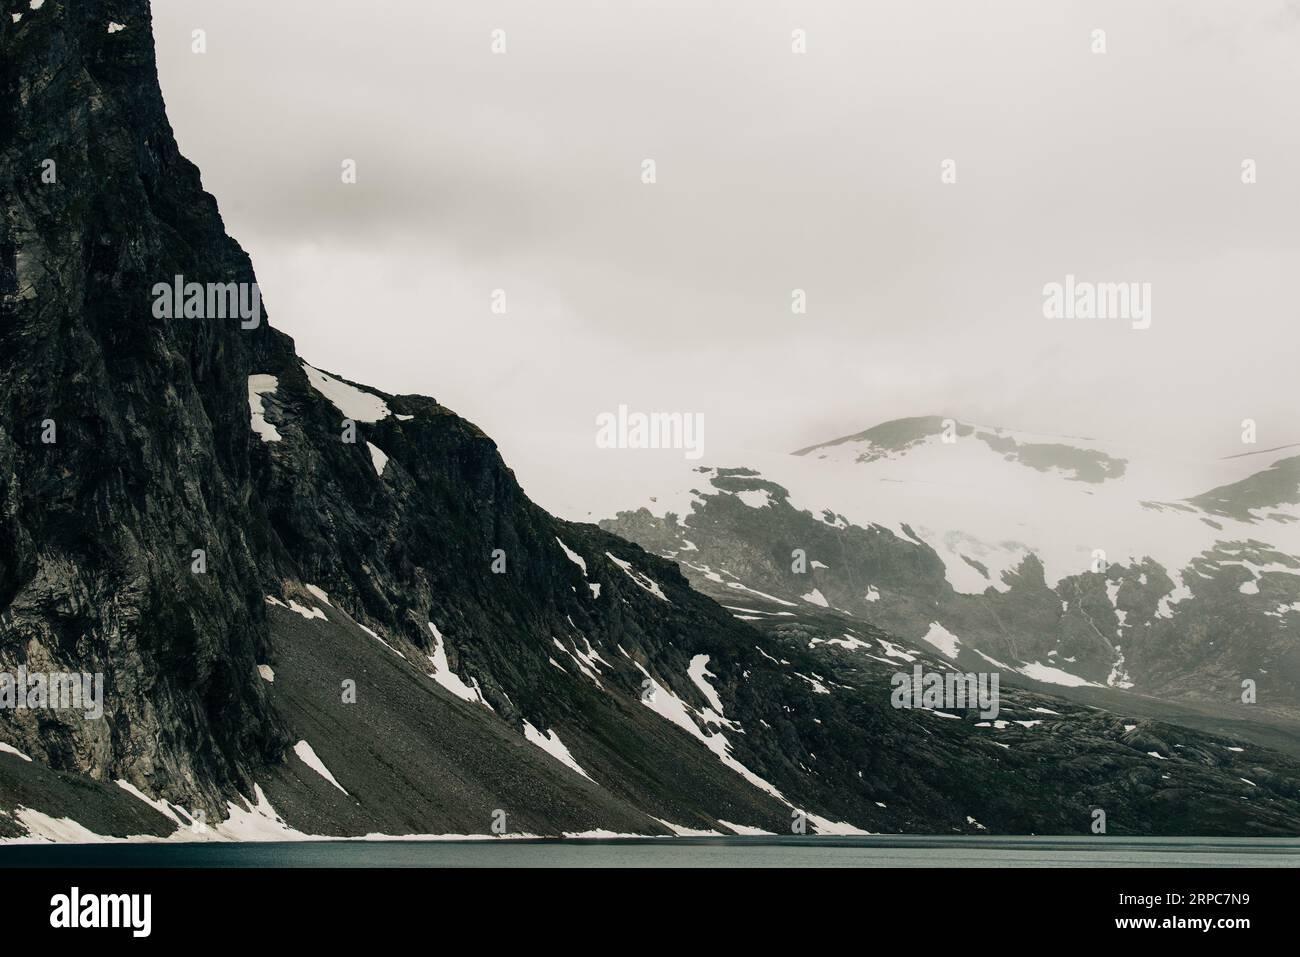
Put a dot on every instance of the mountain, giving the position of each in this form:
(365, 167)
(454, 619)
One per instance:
(1068, 561)
(322, 609)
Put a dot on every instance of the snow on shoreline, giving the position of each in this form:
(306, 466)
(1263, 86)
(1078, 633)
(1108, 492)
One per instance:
(256, 820)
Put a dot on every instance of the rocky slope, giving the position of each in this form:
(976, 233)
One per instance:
(322, 609)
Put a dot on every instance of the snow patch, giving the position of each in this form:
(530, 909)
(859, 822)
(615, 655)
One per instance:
(377, 638)
(584, 663)
(348, 399)
(574, 557)
(699, 674)
(643, 580)
(754, 591)
(258, 386)
(443, 674)
(162, 807)
(893, 651)
(851, 642)
(307, 613)
(667, 705)
(10, 749)
(815, 597)
(550, 743)
(257, 821)
(744, 829)
(43, 829)
(817, 686)
(309, 758)
(1055, 676)
(827, 826)
(942, 639)
(320, 593)
(582, 564)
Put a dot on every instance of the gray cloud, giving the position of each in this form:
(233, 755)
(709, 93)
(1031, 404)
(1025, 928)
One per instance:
(775, 172)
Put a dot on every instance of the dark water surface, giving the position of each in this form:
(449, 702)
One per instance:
(876, 851)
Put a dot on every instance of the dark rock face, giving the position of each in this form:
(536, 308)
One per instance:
(150, 454)
(373, 587)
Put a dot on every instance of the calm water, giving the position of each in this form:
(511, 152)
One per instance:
(885, 851)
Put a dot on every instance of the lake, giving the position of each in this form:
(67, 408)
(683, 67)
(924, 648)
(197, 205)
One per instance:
(873, 851)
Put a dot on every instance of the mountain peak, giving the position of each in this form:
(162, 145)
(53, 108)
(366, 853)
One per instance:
(893, 435)
(896, 438)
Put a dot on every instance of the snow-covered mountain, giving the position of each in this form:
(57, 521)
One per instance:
(984, 498)
(1062, 557)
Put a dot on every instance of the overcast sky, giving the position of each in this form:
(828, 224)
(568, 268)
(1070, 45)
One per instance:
(775, 171)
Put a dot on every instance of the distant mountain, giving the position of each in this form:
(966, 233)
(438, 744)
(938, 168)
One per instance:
(893, 440)
(1060, 557)
(322, 609)
(1267, 496)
